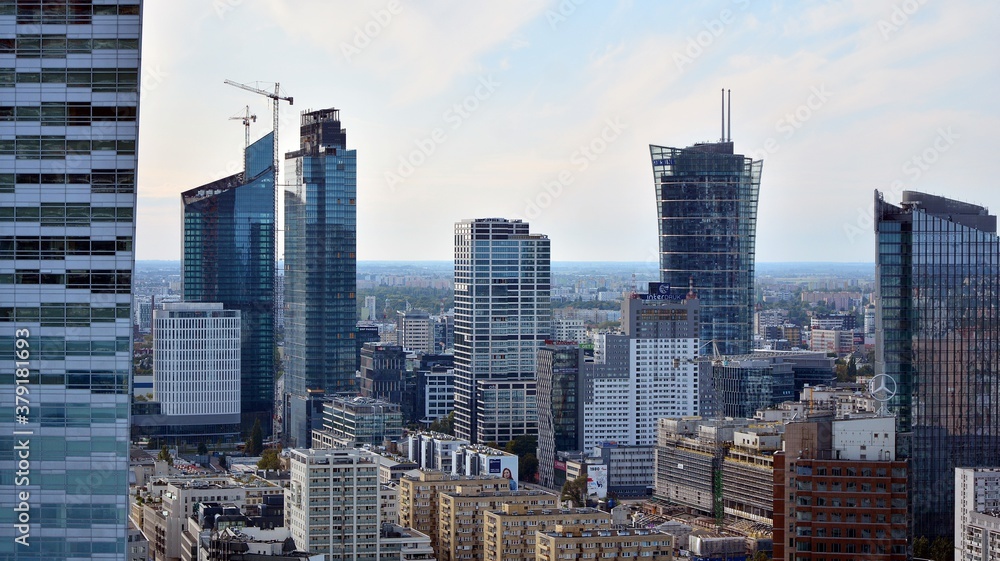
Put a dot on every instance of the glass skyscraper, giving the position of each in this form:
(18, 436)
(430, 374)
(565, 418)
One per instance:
(937, 335)
(69, 95)
(320, 271)
(706, 199)
(503, 313)
(229, 257)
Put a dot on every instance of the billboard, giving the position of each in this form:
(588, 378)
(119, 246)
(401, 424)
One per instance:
(504, 466)
(597, 480)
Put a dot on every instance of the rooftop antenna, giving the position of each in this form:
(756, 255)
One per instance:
(723, 115)
(729, 133)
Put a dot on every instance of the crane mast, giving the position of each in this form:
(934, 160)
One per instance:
(247, 118)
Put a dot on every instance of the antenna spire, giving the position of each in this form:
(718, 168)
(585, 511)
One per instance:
(729, 133)
(723, 115)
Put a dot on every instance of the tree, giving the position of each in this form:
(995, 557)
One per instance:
(223, 461)
(527, 467)
(852, 370)
(165, 455)
(575, 491)
(255, 444)
(202, 449)
(444, 425)
(270, 459)
(522, 445)
(922, 547)
(760, 556)
(942, 549)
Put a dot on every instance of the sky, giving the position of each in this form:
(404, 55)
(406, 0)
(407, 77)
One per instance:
(545, 110)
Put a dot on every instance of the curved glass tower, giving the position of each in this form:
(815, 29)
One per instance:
(229, 258)
(706, 200)
(937, 334)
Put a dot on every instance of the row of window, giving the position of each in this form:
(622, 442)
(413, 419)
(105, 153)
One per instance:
(72, 113)
(58, 46)
(101, 181)
(66, 214)
(59, 247)
(63, 314)
(58, 147)
(97, 80)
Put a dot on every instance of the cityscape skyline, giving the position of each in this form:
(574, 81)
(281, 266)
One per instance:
(828, 76)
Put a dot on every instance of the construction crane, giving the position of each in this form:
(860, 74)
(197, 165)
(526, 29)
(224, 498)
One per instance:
(276, 98)
(247, 118)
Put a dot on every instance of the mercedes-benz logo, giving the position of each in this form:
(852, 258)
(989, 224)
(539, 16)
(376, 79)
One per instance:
(882, 387)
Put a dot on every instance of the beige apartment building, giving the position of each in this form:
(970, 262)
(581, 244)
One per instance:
(460, 518)
(509, 531)
(418, 497)
(571, 542)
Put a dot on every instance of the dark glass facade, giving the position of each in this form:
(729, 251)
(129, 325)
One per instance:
(69, 103)
(320, 269)
(706, 200)
(560, 410)
(938, 336)
(229, 241)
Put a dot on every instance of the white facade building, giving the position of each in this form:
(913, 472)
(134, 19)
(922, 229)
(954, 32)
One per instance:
(196, 359)
(569, 330)
(439, 393)
(503, 314)
(977, 514)
(646, 374)
(415, 331)
(431, 450)
(334, 505)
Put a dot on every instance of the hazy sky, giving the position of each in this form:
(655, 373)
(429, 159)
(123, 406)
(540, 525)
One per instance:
(545, 110)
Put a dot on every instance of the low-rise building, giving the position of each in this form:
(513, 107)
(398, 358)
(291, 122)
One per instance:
(356, 421)
(460, 518)
(509, 532)
(568, 543)
(419, 497)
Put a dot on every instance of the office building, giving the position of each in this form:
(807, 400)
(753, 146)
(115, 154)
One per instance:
(320, 270)
(569, 330)
(577, 543)
(839, 491)
(415, 332)
(502, 315)
(228, 257)
(977, 514)
(333, 507)
(706, 197)
(383, 375)
(560, 412)
(196, 374)
(648, 373)
(743, 384)
(937, 281)
(68, 131)
(355, 421)
(838, 341)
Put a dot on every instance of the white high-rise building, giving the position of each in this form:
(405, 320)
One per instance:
(503, 313)
(69, 91)
(333, 506)
(415, 332)
(569, 330)
(977, 514)
(196, 359)
(647, 373)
